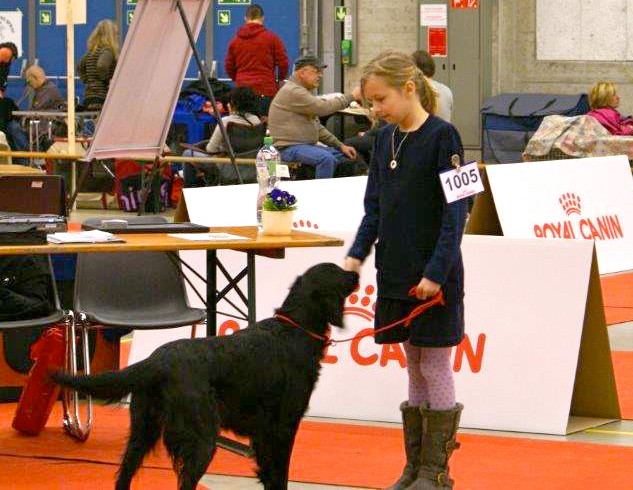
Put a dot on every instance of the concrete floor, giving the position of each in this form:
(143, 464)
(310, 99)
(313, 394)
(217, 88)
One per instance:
(616, 433)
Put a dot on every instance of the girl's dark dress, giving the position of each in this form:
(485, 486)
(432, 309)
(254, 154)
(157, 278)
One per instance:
(418, 234)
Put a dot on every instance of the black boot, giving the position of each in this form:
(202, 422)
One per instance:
(412, 430)
(439, 428)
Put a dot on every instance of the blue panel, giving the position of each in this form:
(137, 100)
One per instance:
(280, 16)
(51, 40)
(15, 87)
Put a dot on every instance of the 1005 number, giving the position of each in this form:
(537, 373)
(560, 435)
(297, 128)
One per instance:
(462, 179)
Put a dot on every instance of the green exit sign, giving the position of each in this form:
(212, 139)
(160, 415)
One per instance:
(224, 17)
(234, 2)
(340, 13)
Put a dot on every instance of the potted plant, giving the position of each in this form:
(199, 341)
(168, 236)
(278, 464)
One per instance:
(277, 212)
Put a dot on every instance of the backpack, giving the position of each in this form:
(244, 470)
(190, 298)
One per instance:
(25, 287)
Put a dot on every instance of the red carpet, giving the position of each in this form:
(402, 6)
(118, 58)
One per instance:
(617, 296)
(325, 453)
(56, 474)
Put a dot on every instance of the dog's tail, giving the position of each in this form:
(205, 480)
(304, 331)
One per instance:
(109, 386)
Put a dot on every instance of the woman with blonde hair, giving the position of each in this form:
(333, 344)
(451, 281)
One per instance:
(97, 65)
(417, 237)
(603, 100)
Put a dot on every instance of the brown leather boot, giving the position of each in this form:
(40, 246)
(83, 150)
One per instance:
(412, 430)
(439, 428)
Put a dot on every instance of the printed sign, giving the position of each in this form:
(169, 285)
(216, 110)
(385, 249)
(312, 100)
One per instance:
(340, 13)
(11, 28)
(583, 198)
(78, 9)
(464, 4)
(462, 182)
(501, 346)
(224, 17)
(434, 15)
(437, 41)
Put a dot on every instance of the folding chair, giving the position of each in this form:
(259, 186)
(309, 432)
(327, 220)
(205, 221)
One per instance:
(137, 290)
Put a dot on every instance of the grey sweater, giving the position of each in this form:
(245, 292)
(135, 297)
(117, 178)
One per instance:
(293, 117)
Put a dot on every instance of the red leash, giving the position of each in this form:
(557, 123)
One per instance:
(438, 299)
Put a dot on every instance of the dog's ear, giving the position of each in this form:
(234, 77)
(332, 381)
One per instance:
(333, 304)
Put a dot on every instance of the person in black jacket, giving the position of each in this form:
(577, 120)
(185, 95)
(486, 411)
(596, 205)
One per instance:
(16, 136)
(417, 236)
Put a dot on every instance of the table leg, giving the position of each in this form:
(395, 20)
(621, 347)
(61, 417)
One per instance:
(211, 293)
(250, 278)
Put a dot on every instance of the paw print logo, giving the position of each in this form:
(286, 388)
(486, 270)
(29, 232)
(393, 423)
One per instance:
(570, 203)
(300, 224)
(362, 304)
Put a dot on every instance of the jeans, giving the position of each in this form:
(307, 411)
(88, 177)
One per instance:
(189, 171)
(324, 158)
(18, 140)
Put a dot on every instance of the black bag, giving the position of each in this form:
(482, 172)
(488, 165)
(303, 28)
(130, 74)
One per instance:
(510, 120)
(25, 287)
(21, 234)
(220, 89)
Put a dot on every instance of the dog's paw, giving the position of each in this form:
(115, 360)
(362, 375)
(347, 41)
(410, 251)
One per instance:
(363, 303)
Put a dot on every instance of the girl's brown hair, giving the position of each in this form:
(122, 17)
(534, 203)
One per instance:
(397, 69)
(601, 95)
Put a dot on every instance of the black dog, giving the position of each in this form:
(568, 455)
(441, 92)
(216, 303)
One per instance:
(256, 382)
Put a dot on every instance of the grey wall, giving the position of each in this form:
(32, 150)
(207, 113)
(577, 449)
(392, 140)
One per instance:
(383, 24)
(515, 68)
(392, 24)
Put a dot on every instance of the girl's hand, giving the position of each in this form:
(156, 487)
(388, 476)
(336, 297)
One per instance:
(426, 289)
(352, 265)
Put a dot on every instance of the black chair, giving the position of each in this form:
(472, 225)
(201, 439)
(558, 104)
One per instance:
(246, 141)
(137, 290)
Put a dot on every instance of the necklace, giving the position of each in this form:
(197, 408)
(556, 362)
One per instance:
(394, 152)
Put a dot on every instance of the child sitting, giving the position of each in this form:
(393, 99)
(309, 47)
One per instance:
(603, 101)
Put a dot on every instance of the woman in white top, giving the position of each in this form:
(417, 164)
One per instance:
(243, 103)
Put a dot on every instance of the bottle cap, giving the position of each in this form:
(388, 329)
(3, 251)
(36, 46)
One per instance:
(268, 141)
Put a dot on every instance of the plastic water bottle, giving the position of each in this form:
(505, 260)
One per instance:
(266, 162)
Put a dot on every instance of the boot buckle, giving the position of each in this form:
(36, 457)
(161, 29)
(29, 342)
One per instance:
(442, 478)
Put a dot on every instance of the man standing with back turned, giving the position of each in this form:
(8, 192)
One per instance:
(257, 58)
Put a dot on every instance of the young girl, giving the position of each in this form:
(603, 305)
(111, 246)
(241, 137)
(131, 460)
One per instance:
(418, 238)
(603, 100)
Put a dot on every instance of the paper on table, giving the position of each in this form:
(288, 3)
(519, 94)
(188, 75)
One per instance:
(220, 237)
(92, 236)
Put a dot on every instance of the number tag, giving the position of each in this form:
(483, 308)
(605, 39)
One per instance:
(462, 182)
(282, 171)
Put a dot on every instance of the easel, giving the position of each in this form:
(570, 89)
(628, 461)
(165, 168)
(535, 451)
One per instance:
(152, 149)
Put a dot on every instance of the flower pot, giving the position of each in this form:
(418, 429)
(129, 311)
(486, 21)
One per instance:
(276, 223)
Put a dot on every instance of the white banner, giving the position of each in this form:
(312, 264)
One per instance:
(584, 198)
(516, 368)
(11, 28)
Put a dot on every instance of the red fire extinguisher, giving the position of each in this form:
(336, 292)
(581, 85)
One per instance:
(40, 392)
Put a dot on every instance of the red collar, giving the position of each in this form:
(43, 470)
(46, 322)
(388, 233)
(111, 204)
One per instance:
(290, 321)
